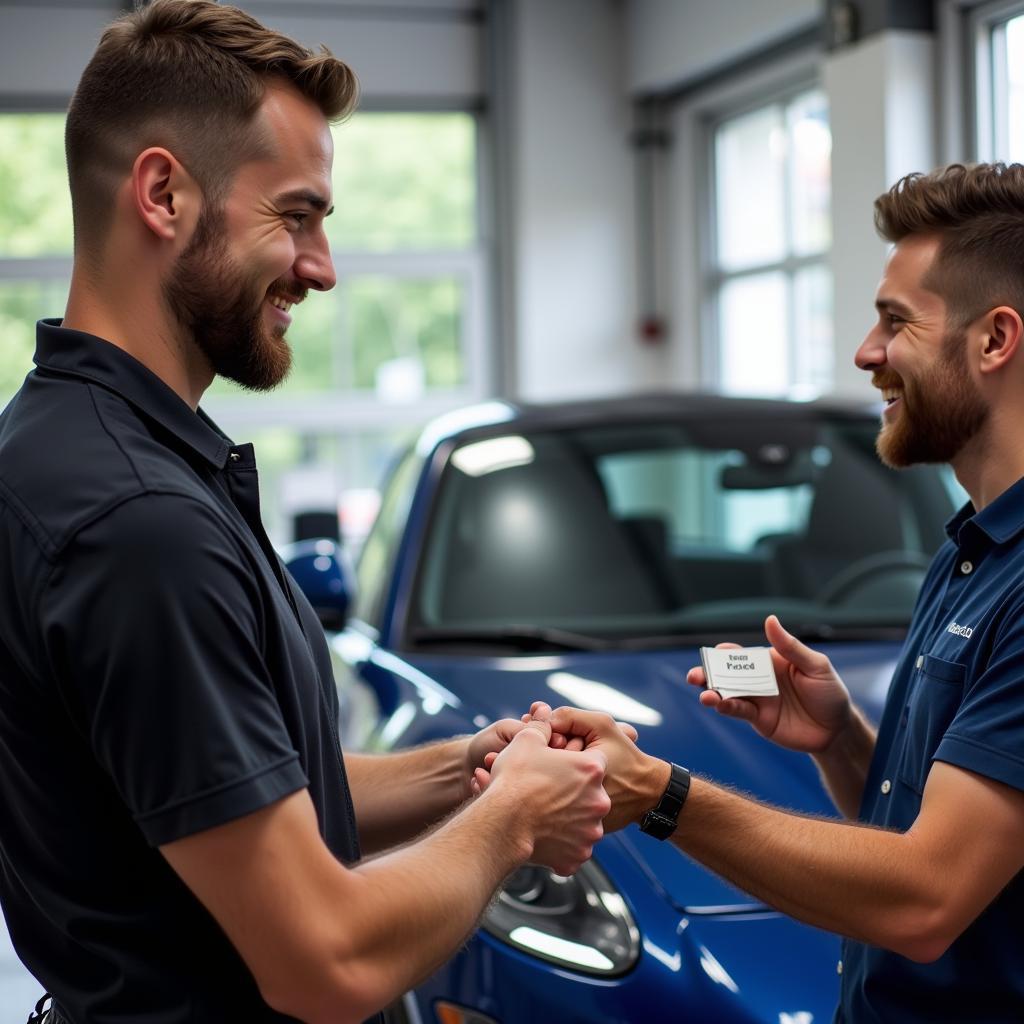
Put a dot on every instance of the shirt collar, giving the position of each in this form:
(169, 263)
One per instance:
(77, 354)
(1000, 521)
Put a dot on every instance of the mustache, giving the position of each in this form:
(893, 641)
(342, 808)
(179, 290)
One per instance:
(886, 379)
(287, 294)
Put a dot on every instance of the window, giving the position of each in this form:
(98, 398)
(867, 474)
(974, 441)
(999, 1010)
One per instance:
(398, 340)
(698, 522)
(382, 544)
(769, 294)
(35, 237)
(996, 34)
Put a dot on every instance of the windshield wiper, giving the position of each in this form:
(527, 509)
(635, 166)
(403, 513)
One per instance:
(523, 637)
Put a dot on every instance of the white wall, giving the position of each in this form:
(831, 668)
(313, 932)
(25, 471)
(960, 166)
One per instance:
(882, 98)
(881, 107)
(672, 42)
(413, 52)
(572, 286)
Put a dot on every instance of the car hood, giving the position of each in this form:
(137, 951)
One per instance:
(649, 690)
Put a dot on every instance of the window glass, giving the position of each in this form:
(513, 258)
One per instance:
(999, 83)
(753, 335)
(813, 350)
(35, 207)
(749, 182)
(664, 483)
(1015, 88)
(404, 181)
(379, 549)
(22, 303)
(656, 529)
(406, 336)
(810, 184)
(770, 285)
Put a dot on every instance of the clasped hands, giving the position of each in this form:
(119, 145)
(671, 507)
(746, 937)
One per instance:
(632, 780)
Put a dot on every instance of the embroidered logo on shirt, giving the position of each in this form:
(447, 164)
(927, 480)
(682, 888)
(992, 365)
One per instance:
(958, 630)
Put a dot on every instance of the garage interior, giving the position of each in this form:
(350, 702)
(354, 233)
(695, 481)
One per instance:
(548, 200)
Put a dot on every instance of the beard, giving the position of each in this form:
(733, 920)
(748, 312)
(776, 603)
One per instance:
(221, 310)
(942, 410)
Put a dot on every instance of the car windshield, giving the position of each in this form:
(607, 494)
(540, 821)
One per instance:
(649, 531)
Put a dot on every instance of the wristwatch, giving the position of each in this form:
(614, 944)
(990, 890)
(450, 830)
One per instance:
(661, 820)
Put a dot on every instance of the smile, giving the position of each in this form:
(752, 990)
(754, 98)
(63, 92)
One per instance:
(890, 395)
(283, 304)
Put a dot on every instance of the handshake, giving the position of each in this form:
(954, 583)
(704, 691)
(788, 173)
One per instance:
(565, 777)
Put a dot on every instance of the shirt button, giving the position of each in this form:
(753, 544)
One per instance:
(886, 786)
(966, 567)
(839, 967)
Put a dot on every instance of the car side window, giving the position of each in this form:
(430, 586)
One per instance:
(377, 556)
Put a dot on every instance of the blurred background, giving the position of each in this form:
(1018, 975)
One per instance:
(554, 199)
(548, 199)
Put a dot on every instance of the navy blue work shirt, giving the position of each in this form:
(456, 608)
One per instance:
(957, 696)
(160, 674)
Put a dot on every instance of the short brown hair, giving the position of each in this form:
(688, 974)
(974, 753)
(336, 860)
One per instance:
(978, 213)
(189, 75)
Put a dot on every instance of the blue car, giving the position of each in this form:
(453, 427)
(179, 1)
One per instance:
(580, 554)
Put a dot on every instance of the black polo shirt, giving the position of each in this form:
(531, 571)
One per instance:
(160, 674)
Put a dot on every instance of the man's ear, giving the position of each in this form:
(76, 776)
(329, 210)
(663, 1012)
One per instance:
(166, 197)
(1002, 336)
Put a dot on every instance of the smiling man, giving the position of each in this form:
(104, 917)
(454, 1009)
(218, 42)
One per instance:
(924, 880)
(180, 836)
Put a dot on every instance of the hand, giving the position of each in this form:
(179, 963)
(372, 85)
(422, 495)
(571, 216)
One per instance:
(634, 781)
(813, 706)
(560, 798)
(542, 712)
(493, 739)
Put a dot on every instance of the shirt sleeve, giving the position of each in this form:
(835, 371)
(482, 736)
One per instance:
(153, 625)
(987, 732)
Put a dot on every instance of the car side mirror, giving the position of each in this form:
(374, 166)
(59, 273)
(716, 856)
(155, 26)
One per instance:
(324, 573)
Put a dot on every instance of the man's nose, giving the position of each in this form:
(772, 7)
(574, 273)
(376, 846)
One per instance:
(314, 266)
(871, 353)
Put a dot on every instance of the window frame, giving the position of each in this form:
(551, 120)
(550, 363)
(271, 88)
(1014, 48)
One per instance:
(715, 276)
(970, 103)
(987, 111)
(688, 247)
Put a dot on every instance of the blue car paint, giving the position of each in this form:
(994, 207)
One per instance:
(740, 961)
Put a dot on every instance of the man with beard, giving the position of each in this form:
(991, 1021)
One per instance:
(178, 828)
(924, 880)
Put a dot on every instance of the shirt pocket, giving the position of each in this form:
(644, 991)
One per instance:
(935, 697)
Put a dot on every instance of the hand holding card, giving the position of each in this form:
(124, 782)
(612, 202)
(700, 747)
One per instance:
(739, 671)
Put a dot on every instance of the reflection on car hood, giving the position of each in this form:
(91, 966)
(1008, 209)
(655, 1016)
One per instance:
(649, 690)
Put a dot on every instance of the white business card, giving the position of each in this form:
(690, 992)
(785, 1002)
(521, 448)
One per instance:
(739, 671)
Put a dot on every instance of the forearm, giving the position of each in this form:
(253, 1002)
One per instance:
(844, 765)
(871, 885)
(426, 899)
(360, 937)
(397, 796)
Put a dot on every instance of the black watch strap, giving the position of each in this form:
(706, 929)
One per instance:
(661, 820)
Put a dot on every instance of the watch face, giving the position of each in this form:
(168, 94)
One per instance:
(657, 825)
